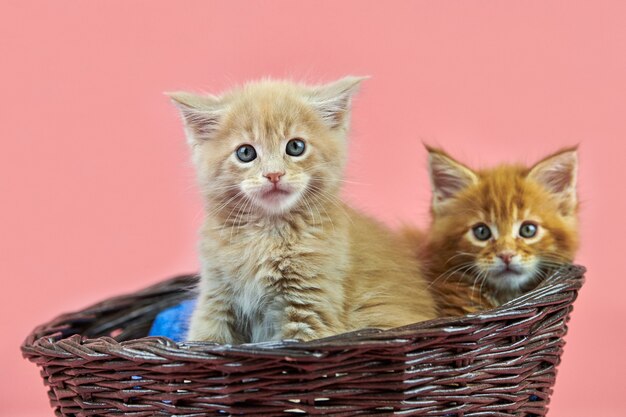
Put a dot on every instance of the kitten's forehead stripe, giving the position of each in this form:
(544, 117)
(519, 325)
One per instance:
(503, 190)
(272, 129)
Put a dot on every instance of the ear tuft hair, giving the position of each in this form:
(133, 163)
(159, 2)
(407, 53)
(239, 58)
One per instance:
(447, 176)
(201, 114)
(558, 174)
(333, 100)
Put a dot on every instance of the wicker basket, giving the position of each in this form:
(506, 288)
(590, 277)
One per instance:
(502, 362)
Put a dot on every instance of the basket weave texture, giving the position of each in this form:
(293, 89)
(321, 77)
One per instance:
(499, 363)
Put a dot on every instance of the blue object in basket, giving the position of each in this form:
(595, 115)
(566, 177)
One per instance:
(173, 322)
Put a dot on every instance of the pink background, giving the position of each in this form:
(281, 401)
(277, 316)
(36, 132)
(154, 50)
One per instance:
(98, 196)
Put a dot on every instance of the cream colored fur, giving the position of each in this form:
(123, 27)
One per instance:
(301, 264)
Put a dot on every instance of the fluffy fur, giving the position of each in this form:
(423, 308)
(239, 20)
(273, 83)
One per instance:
(469, 274)
(285, 258)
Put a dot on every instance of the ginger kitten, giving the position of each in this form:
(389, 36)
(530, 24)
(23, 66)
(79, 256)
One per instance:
(496, 233)
(281, 256)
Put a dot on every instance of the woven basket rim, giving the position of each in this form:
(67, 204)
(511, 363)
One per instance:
(48, 337)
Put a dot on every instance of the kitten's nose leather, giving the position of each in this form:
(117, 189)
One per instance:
(506, 257)
(274, 177)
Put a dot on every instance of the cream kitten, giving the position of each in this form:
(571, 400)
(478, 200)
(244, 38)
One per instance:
(281, 256)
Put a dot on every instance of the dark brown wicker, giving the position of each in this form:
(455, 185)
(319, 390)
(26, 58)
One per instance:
(502, 362)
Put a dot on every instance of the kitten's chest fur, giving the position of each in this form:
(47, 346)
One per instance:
(257, 308)
(254, 265)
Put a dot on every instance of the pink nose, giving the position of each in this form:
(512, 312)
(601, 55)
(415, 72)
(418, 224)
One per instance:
(506, 257)
(274, 177)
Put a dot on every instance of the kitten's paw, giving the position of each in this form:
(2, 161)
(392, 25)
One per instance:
(203, 335)
(299, 331)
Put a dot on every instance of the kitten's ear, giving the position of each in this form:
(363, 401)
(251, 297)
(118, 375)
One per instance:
(558, 173)
(447, 176)
(201, 114)
(333, 100)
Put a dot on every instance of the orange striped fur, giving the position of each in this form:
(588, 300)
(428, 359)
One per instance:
(468, 274)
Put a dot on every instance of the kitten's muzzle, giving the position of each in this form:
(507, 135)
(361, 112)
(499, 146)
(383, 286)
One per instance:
(275, 189)
(508, 263)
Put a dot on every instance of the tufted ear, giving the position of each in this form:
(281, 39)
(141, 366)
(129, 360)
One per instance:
(447, 177)
(558, 174)
(201, 114)
(333, 100)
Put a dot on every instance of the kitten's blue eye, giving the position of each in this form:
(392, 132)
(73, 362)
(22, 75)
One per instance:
(246, 153)
(295, 147)
(481, 231)
(528, 230)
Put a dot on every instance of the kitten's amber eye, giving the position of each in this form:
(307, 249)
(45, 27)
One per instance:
(295, 147)
(528, 230)
(246, 153)
(481, 231)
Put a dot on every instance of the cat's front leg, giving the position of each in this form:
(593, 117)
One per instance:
(213, 320)
(307, 320)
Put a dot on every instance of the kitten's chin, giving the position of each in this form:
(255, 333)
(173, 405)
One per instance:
(276, 200)
(510, 281)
